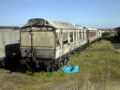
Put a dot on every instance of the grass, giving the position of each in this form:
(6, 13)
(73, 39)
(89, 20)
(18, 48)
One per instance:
(100, 61)
(99, 68)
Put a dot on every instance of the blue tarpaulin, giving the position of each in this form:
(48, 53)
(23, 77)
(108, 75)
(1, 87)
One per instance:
(69, 69)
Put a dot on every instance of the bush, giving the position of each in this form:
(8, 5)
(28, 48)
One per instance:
(105, 34)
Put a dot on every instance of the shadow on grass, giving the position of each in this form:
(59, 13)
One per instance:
(14, 66)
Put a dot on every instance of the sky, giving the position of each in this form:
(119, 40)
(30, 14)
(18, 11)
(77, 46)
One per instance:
(88, 13)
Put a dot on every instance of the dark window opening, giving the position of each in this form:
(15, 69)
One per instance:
(57, 39)
(65, 42)
(80, 35)
(74, 35)
(57, 43)
(71, 36)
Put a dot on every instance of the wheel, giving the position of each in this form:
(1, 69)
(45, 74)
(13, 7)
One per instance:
(55, 67)
(60, 63)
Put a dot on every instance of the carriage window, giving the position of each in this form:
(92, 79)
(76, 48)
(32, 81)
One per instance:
(80, 35)
(57, 39)
(65, 42)
(89, 34)
(71, 36)
(83, 34)
(92, 34)
(65, 38)
(75, 36)
(57, 42)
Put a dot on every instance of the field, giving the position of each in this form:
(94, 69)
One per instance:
(99, 69)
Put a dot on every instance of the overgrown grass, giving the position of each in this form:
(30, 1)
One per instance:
(100, 61)
(99, 68)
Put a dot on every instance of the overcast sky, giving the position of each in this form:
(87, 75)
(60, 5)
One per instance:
(89, 13)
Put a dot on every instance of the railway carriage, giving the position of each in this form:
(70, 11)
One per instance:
(93, 34)
(49, 43)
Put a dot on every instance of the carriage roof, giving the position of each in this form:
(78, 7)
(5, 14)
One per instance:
(38, 22)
